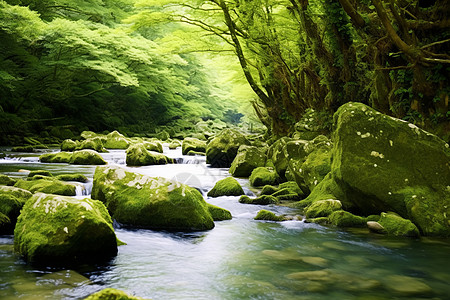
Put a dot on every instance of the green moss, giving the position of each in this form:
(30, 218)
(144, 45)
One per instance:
(262, 200)
(316, 166)
(58, 230)
(60, 157)
(263, 176)
(150, 202)
(343, 218)
(51, 186)
(268, 190)
(396, 225)
(6, 180)
(174, 145)
(72, 177)
(226, 187)
(154, 146)
(247, 159)
(138, 155)
(27, 148)
(163, 135)
(40, 172)
(86, 157)
(194, 153)
(21, 194)
(116, 140)
(69, 145)
(323, 208)
(223, 148)
(10, 207)
(193, 144)
(319, 220)
(374, 218)
(95, 143)
(268, 216)
(111, 294)
(219, 213)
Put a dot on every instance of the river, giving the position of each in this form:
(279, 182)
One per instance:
(238, 259)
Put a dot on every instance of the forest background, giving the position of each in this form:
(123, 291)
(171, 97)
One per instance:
(141, 66)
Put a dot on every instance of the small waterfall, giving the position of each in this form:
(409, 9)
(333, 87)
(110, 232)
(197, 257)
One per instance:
(83, 189)
(190, 160)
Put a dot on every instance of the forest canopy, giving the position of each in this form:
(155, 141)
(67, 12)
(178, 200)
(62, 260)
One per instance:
(142, 64)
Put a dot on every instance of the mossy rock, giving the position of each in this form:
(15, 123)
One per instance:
(219, 213)
(88, 134)
(72, 177)
(328, 188)
(86, 157)
(386, 164)
(138, 155)
(226, 187)
(193, 144)
(155, 146)
(263, 176)
(163, 135)
(268, 216)
(316, 166)
(342, 218)
(39, 172)
(69, 145)
(396, 225)
(223, 148)
(95, 143)
(51, 186)
(27, 148)
(195, 153)
(319, 220)
(11, 202)
(60, 157)
(111, 294)
(116, 140)
(278, 155)
(293, 187)
(174, 145)
(6, 180)
(268, 190)
(150, 202)
(261, 200)
(247, 159)
(19, 193)
(323, 208)
(58, 230)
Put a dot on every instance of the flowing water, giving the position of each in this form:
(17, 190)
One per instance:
(238, 259)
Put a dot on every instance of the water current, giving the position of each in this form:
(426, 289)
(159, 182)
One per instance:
(238, 259)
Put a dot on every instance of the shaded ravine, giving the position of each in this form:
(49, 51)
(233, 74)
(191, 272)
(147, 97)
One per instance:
(238, 259)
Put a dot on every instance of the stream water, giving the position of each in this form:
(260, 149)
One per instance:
(238, 259)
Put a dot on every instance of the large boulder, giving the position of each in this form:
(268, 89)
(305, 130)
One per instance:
(58, 230)
(223, 148)
(116, 140)
(247, 159)
(150, 202)
(48, 186)
(386, 164)
(138, 155)
(226, 187)
(192, 144)
(12, 200)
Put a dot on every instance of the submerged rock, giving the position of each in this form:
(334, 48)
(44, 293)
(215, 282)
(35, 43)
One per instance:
(264, 176)
(138, 155)
(192, 144)
(112, 294)
(150, 202)
(247, 159)
(262, 200)
(268, 216)
(58, 230)
(226, 187)
(223, 148)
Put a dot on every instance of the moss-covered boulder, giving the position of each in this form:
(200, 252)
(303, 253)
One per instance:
(223, 148)
(268, 216)
(174, 145)
(264, 176)
(218, 213)
(317, 165)
(69, 145)
(39, 172)
(11, 202)
(88, 134)
(261, 200)
(195, 153)
(154, 145)
(86, 157)
(58, 230)
(342, 218)
(163, 135)
(60, 157)
(6, 180)
(247, 159)
(396, 225)
(138, 155)
(226, 187)
(386, 164)
(193, 144)
(116, 140)
(142, 201)
(323, 208)
(111, 294)
(48, 186)
(95, 143)
(277, 153)
(72, 177)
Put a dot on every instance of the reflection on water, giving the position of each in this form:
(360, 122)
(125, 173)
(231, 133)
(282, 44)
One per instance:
(239, 259)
